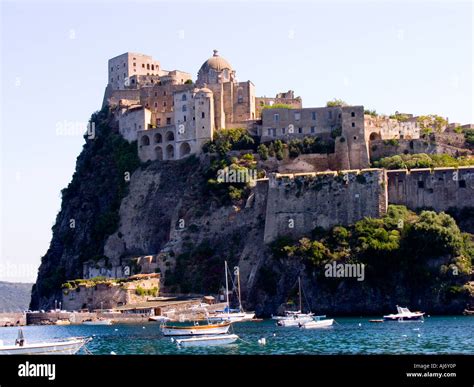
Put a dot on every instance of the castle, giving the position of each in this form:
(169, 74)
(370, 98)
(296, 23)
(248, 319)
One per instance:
(172, 117)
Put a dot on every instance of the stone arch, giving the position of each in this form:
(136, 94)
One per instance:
(145, 140)
(169, 136)
(374, 136)
(159, 153)
(158, 138)
(184, 149)
(170, 152)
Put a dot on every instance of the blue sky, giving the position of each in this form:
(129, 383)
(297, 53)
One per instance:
(411, 56)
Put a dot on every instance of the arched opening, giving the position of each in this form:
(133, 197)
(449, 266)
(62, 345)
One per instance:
(183, 98)
(159, 153)
(145, 140)
(184, 149)
(170, 152)
(374, 136)
(170, 136)
(158, 138)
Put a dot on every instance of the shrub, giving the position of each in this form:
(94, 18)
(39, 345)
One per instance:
(263, 151)
(336, 103)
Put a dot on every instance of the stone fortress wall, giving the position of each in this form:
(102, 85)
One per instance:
(297, 203)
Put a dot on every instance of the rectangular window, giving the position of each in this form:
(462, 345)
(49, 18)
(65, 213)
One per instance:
(421, 184)
(203, 115)
(283, 130)
(330, 114)
(462, 183)
(297, 116)
(300, 130)
(313, 129)
(276, 117)
(313, 116)
(184, 118)
(164, 103)
(353, 124)
(168, 121)
(158, 122)
(134, 65)
(353, 114)
(269, 132)
(143, 65)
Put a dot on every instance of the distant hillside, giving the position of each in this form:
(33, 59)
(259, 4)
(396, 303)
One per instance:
(14, 296)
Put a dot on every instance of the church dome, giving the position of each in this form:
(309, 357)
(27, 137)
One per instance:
(215, 62)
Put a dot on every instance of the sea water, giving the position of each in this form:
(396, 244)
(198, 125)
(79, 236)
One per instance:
(436, 335)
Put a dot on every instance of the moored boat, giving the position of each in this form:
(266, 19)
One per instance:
(317, 322)
(99, 321)
(68, 346)
(160, 319)
(208, 340)
(195, 330)
(294, 318)
(404, 314)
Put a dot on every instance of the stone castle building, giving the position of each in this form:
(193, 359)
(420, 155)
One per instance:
(171, 117)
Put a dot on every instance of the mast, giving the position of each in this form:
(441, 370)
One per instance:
(299, 286)
(227, 289)
(237, 273)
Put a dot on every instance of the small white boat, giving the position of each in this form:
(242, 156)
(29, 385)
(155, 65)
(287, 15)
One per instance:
(68, 346)
(195, 330)
(318, 322)
(160, 319)
(99, 321)
(207, 340)
(232, 316)
(294, 319)
(404, 314)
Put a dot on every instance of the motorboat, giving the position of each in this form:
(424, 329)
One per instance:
(196, 329)
(98, 321)
(208, 340)
(67, 346)
(317, 322)
(404, 314)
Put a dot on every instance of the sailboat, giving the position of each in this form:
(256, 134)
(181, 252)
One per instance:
(228, 314)
(294, 318)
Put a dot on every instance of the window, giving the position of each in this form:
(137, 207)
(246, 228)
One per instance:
(156, 94)
(158, 122)
(203, 115)
(134, 65)
(297, 116)
(133, 81)
(164, 103)
(462, 183)
(168, 120)
(164, 93)
(300, 130)
(353, 114)
(240, 99)
(313, 116)
(183, 98)
(283, 130)
(111, 69)
(353, 124)
(185, 108)
(148, 66)
(184, 118)
(330, 114)
(156, 104)
(153, 67)
(313, 129)
(143, 65)
(269, 131)
(421, 184)
(276, 117)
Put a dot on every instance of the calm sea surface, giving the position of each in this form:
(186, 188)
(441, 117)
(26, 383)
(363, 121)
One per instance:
(436, 335)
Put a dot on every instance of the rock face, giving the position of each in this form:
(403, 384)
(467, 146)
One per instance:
(116, 209)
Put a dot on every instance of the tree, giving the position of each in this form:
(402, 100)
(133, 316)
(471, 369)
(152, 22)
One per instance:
(336, 103)
(263, 151)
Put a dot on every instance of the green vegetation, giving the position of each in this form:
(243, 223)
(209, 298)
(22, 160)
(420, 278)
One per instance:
(230, 139)
(400, 117)
(430, 123)
(277, 106)
(188, 82)
(426, 249)
(372, 113)
(310, 145)
(336, 103)
(263, 151)
(392, 142)
(469, 136)
(153, 292)
(422, 160)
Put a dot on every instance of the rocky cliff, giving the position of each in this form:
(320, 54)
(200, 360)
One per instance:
(116, 208)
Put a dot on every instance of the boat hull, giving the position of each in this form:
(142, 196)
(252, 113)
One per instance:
(68, 347)
(294, 321)
(318, 324)
(100, 322)
(207, 340)
(233, 317)
(196, 330)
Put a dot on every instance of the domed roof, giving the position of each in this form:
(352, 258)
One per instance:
(215, 62)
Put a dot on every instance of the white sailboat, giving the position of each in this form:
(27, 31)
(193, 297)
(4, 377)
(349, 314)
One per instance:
(228, 314)
(295, 318)
(404, 314)
(68, 346)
